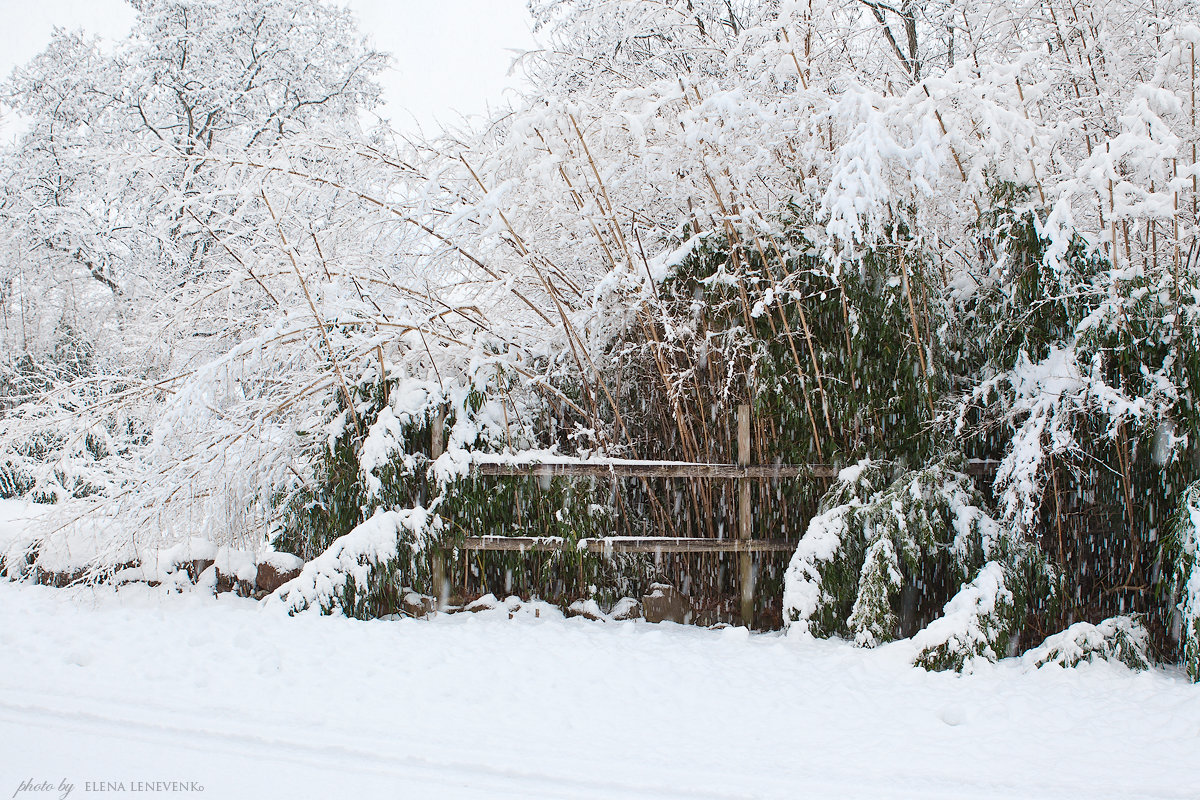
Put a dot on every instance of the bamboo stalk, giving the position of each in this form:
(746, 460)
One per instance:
(796, 61)
(846, 330)
(1032, 165)
(290, 253)
(912, 315)
(812, 352)
(1057, 509)
(1175, 236)
(603, 190)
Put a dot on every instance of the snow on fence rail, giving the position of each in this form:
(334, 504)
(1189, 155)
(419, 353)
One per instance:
(552, 466)
(627, 468)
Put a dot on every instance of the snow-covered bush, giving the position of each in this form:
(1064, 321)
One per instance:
(821, 583)
(882, 558)
(356, 574)
(894, 533)
(980, 622)
(384, 462)
(1122, 639)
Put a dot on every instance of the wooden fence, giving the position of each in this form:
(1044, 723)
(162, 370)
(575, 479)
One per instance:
(743, 472)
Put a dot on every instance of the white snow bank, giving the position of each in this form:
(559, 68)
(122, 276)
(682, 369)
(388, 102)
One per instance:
(1121, 639)
(17, 521)
(102, 685)
(164, 565)
(66, 540)
(240, 564)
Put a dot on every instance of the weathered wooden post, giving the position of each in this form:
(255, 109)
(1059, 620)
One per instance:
(437, 562)
(745, 521)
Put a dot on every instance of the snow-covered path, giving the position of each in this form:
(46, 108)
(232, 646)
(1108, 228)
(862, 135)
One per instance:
(104, 687)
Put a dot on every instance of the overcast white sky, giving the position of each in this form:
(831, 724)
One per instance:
(451, 56)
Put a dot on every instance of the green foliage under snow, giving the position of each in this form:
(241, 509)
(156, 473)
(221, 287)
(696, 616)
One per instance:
(356, 575)
(362, 476)
(1181, 560)
(884, 560)
(979, 622)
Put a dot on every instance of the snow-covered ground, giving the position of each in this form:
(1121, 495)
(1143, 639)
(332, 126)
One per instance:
(100, 686)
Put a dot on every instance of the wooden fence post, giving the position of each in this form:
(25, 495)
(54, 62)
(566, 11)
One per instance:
(437, 560)
(745, 521)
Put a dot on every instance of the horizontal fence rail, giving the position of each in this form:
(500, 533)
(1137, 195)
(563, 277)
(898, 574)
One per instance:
(629, 544)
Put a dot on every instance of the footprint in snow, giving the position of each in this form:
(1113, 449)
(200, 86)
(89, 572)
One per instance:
(953, 716)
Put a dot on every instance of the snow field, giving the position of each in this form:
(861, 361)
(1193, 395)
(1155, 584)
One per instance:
(97, 685)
